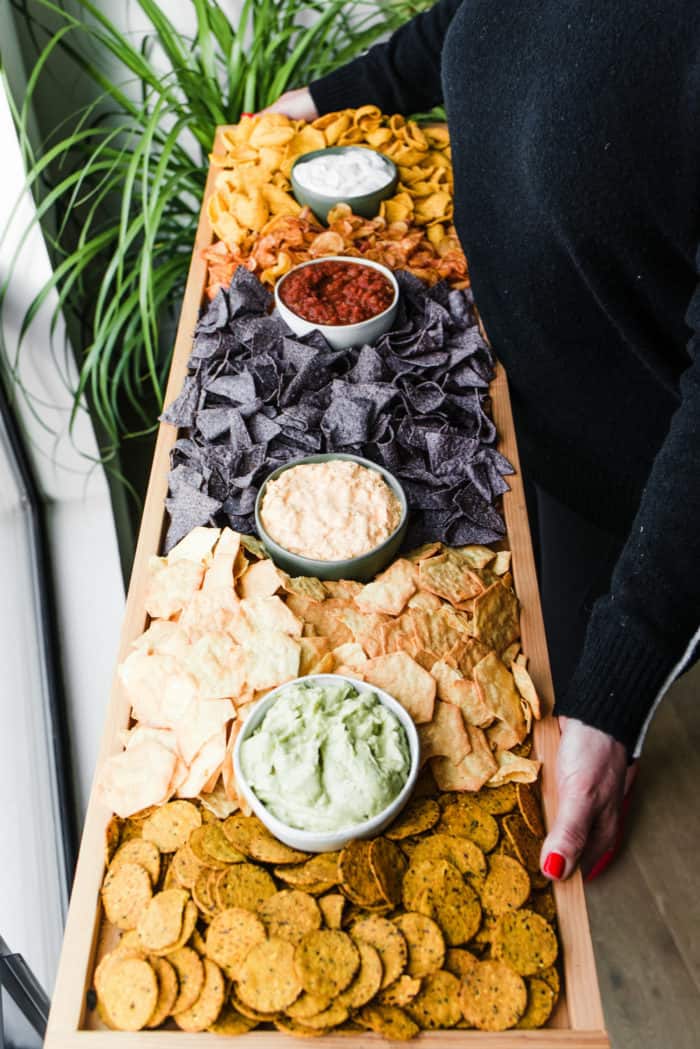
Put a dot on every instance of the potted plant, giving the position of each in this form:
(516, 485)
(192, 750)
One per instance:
(118, 184)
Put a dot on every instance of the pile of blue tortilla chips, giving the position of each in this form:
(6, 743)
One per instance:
(415, 401)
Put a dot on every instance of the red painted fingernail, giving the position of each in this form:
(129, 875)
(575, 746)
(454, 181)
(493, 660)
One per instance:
(247, 114)
(554, 865)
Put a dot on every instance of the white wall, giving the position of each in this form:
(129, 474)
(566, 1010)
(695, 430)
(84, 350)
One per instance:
(85, 555)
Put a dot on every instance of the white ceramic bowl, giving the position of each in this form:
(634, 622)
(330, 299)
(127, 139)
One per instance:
(340, 336)
(327, 841)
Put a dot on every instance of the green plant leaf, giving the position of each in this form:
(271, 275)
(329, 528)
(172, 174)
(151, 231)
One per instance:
(124, 175)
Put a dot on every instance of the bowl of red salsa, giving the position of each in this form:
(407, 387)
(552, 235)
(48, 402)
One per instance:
(350, 301)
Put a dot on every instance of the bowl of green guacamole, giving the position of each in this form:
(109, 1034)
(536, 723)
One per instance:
(324, 759)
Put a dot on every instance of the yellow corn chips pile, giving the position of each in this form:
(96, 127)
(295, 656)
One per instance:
(260, 224)
(442, 922)
(439, 630)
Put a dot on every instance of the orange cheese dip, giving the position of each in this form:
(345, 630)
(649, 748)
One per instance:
(330, 511)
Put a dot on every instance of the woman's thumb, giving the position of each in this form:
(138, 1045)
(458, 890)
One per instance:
(566, 840)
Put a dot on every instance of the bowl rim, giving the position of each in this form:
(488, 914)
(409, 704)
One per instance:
(356, 830)
(349, 196)
(322, 457)
(339, 258)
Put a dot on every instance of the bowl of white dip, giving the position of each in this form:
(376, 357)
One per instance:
(325, 759)
(355, 175)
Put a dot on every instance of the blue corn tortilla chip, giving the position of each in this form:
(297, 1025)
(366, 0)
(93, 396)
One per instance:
(416, 402)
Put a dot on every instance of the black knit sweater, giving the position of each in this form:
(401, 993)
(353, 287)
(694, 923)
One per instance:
(575, 128)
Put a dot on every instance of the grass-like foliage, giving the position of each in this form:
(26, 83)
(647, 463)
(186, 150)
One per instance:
(119, 184)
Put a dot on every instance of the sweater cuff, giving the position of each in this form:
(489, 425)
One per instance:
(340, 89)
(620, 676)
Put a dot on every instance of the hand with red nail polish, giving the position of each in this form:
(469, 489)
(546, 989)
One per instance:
(591, 769)
(297, 105)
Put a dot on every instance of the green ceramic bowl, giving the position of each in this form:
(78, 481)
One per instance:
(366, 204)
(361, 568)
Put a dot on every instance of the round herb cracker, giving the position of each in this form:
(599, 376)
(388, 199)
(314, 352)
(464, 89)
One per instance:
(462, 853)
(160, 924)
(231, 934)
(230, 1022)
(243, 885)
(401, 991)
(170, 826)
(190, 976)
(506, 887)
(186, 867)
(425, 942)
(419, 815)
(492, 996)
(167, 991)
(126, 893)
(368, 980)
(384, 936)
(212, 848)
(387, 864)
(205, 1011)
(540, 1002)
(129, 993)
(308, 1005)
(526, 942)
(467, 819)
(459, 961)
(327, 961)
(290, 914)
(390, 1021)
(357, 879)
(143, 853)
(437, 1003)
(498, 800)
(268, 979)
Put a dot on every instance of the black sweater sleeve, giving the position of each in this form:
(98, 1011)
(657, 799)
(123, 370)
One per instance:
(400, 76)
(645, 631)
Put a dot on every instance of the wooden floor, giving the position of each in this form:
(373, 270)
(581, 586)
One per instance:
(645, 911)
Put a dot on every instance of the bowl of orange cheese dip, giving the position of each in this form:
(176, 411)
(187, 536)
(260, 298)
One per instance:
(333, 516)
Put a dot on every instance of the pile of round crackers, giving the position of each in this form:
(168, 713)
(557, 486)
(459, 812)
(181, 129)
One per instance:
(443, 922)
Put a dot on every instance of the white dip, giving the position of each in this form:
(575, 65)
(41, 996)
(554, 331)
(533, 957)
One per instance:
(356, 171)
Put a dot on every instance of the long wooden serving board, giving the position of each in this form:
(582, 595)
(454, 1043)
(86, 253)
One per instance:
(578, 1020)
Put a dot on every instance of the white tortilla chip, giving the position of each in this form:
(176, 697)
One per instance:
(526, 688)
(221, 570)
(445, 736)
(171, 585)
(272, 658)
(159, 637)
(202, 720)
(270, 614)
(263, 579)
(216, 609)
(219, 666)
(472, 772)
(454, 687)
(390, 591)
(405, 680)
(206, 763)
(514, 769)
(197, 545)
(498, 692)
(137, 778)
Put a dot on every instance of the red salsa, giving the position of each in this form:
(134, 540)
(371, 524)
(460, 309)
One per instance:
(336, 292)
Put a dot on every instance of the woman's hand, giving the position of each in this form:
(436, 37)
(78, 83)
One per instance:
(591, 771)
(298, 105)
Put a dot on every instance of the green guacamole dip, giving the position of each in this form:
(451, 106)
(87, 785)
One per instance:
(326, 757)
